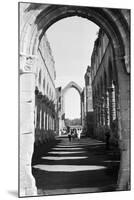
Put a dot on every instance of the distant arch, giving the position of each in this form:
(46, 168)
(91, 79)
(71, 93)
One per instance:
(72, 84)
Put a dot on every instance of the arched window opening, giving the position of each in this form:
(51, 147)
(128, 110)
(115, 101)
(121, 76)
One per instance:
(72, 104)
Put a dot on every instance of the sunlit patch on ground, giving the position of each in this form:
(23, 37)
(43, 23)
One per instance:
(63, 158)
(69, 148)
(68, 168)
(79, 145)
(65, 152)
(69, 191)
(109, 161)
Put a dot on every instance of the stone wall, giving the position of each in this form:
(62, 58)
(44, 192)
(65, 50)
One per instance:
(37, 108)
(45, 94)
(88, 104)
(105, 89)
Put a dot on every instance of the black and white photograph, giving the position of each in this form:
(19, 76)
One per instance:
(74, 99)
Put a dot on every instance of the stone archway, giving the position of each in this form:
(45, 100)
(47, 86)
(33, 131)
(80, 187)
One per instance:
(71, 84)
(35, 19)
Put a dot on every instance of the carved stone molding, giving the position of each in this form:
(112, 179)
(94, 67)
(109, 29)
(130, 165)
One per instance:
(127, 62)
(27, 63)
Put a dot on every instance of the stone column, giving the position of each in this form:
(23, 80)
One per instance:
(107, 119)
(99, 111)
(110, 90)
(61, 122)
(42, 118)
(124, 126)
(47, 124)
(113, 102)
(100, 105)
(103, 111)
(26, 138)
(50, 122)
(82, 111)
(95, 114)
(46, 120)
(42, 123)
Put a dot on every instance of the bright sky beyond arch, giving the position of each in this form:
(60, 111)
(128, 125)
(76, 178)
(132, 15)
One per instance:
(72, 104)
(71, 40)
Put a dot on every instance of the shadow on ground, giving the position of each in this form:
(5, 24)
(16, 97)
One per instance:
(13, 193)
(96, 155)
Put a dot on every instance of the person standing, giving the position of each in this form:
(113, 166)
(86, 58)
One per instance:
(69, 136)
(78, 134)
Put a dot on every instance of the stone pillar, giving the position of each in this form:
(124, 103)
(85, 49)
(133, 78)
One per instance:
(50, 122)
(83, 113)
(100, 103)
(44, 127)
(95, 113)
(26, 138)
(99, 111)
(110, 91)
(35, 116)
(61, 123)
(107, 118)
(113, 102)
(82, 110)
(42, 123)
(103, 111)
(42, 118)
(46, 120)
(86, 99)
(124, 126)
(38, 117)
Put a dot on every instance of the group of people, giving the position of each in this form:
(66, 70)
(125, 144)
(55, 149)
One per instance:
(74, 133)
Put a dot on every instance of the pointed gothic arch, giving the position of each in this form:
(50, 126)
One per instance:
(74, 85)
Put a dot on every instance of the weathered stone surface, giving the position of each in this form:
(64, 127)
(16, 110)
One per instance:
(111, 82)
(26, 138)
